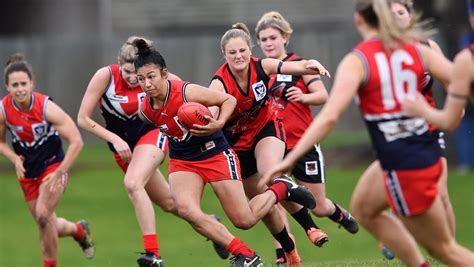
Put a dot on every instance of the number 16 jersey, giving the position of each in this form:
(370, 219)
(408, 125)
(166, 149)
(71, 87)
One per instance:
(391, 75)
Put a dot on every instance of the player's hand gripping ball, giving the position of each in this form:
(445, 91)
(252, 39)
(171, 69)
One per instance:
(193, 113)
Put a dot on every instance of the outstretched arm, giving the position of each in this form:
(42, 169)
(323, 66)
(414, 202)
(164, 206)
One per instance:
(302, 67)
(348, 78)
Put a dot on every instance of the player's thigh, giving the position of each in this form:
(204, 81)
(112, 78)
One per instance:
(186, 189)
(443, 180)
(232, 198)
(48, 200)
(158, 189)
(369, 196)
(268, 152)
(145, 160)
(254, 185)
(429, 228)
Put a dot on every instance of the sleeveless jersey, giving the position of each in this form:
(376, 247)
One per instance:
(296, 116)
(182, 145)
(391, 75)
(252, 111)
(427, 89)
(33, 137)
(119, 106)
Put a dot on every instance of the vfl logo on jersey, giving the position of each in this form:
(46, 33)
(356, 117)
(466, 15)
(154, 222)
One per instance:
(311, 168)
(141, 96)
(259, 90)
(39, 129)
(284, 78)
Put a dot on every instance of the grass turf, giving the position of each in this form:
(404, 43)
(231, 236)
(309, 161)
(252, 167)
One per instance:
(96, 193)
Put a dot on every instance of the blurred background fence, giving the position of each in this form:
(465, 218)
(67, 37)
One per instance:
(66, 41)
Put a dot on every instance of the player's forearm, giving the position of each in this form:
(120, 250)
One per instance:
(73, 150)
(449, 117)
(86, 123)
(226, 109)
(6, 151)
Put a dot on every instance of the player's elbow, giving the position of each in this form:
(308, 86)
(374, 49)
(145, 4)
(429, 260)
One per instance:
(76, 141)
(451, 125)
(232, 101)
(81, 121)
(330, 120)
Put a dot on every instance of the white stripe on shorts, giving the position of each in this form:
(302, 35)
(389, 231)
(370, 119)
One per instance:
(396, 194)
(317, 147)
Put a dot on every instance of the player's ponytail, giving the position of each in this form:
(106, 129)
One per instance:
(17, 62)
(146, 54)
(128, 51)
(239, 29)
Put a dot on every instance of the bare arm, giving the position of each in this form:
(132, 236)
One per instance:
(209, 98)
(317, 91)
(302, 67)
(217, 86)
(438, 65)
(348, 78)
(458, 94)
(94, 92)
(68, 131)
(8, 152)
(435, 47)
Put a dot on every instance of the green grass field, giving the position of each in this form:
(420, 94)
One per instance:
(96, 193)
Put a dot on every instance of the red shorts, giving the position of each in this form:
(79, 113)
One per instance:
(411, 192)
(153, 137)
(31, 186)
(223, 166)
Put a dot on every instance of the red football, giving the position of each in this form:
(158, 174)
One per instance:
(193, 113)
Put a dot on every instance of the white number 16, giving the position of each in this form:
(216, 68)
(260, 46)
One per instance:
(393, 77)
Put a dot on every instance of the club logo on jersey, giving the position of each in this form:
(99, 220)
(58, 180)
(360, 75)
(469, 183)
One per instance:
(284, 78)
(208, 145)
(311, 168)
(163, 127)
(259, 90)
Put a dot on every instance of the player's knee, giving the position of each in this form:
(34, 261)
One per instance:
(442, 250)
(188, 213)
(322, 208)
(168, 205)
(244, 223)
(131, 185)
(361, 211)
(42, 221)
